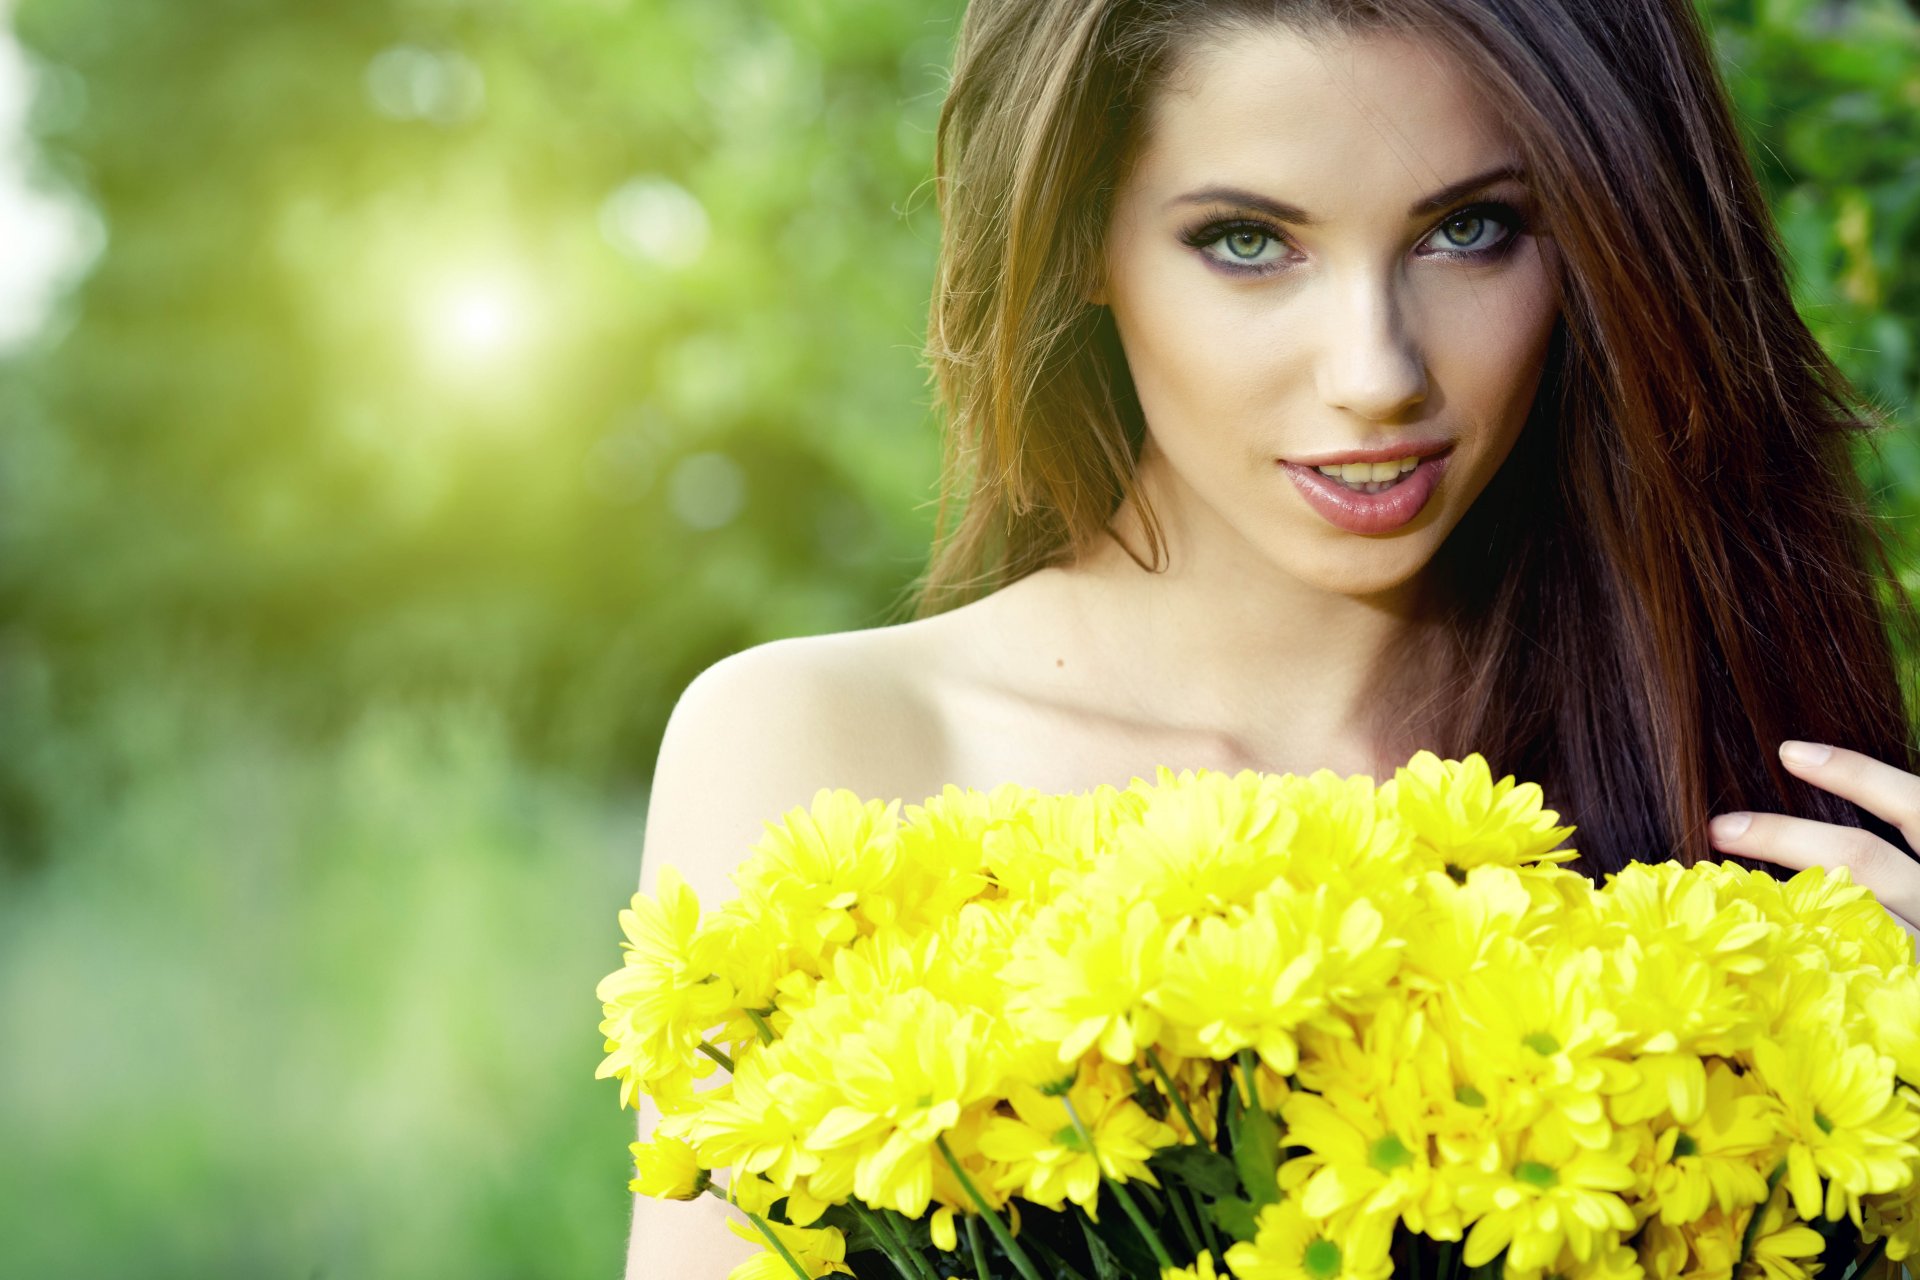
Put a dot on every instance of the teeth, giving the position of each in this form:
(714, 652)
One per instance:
(1369, 472)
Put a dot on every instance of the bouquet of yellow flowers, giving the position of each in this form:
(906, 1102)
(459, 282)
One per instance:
(1278, 1027)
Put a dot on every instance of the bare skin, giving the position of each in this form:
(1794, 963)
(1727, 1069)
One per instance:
(1362, 330)
(1249, 651)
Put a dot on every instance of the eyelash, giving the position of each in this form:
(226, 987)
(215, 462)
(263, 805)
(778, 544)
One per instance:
(1220, 224)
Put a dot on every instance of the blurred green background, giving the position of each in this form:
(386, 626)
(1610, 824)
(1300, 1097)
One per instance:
(431, 390)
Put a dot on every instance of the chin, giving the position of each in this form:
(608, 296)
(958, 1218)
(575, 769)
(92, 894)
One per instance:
(1365, 567)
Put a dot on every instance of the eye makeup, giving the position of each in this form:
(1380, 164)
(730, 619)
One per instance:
(1221, 227)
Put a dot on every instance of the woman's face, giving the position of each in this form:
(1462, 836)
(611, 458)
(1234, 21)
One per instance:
(1257, 337)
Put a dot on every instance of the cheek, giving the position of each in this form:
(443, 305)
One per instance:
(1488, 346)
(1195, 365)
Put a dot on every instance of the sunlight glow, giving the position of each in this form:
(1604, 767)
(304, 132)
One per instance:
(473, 322)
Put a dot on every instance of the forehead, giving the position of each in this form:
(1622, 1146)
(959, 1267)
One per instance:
(1340, 121)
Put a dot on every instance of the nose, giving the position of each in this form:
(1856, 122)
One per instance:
(1370, 361)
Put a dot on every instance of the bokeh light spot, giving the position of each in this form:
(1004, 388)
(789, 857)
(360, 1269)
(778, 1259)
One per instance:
(707, 490)
(407, 82)
(654, 219)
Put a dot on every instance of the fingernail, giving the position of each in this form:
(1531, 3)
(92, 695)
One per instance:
(1730, 826)
(1805, 753)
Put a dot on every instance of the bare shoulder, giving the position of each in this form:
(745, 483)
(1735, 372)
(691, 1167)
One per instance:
(760, 731)
(881, 712)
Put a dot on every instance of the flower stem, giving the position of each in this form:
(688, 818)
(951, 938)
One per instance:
(1180, 1103)
(717, 1055)
(1160, 1254)
(778, 1247)
(979, 1253)
(1206, 1223)
(760, 1025)
(1859, 1268)
(1753, 1222)
(1021, 1261)
(1179, 1203)
(884, 1229)
(1193, 1132)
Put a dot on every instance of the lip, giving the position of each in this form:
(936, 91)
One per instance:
(1388, 453)
(1358, 512)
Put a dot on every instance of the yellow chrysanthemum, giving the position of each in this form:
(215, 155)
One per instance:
(1202, 842)
(659, 1005)
(820, 1251)
(1783, 1247)
(1536, 1200)
(1050, 843)
(1717, 1159)
(1891, 1004)
(1679, 953)
(1291, 1245)
(811, 874)
(1831, 910)
(1841, 1120)
(1201, 1268)
(1452, 925)
(1895, 1217)
(1082, 974)
(1249, 982)
(755, 1122)
(1045, 1160)
(1456, 1033)
(668, 1169)
(941, 863)
(1462, 818)
(1366, 1132)
(895, 1074)
(1613, 1259)
(1535, 1019)
(1347, 836)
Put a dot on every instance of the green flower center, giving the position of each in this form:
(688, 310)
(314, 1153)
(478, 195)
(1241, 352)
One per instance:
(1542, 1043)
(1826, 1125)
(1536, 1174)
(1389, 1153)
(1469, 1096)
(1069, 1137)
(1321, 1260)
(1684, 1145)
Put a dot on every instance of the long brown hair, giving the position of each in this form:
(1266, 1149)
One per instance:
(1676, 567)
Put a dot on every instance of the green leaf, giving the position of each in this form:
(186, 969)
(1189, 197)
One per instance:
(1202, 1168)
(1256, 1149)
(1235, 1216)
(1105, 1265)
(1124, 1240)
(859, 1237)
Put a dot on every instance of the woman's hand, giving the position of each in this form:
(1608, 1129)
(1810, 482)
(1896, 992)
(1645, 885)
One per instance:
(1889, 872)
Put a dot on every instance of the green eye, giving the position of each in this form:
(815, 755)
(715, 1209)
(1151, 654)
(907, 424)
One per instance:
(1473, 220)
(1245, 244)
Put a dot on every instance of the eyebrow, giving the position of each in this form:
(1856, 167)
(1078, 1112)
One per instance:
(1281, 211)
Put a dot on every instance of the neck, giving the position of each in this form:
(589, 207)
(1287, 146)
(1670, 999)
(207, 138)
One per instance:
(1224, 638)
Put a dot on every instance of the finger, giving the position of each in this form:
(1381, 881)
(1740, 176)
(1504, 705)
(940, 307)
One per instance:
(1890, 794)
(1888, 872)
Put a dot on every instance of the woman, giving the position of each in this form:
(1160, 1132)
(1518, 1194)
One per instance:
(1195, 254)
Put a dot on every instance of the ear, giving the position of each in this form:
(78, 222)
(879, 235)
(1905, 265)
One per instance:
(1097, 294)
